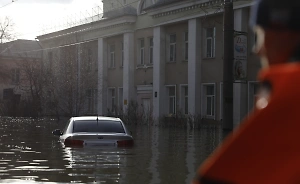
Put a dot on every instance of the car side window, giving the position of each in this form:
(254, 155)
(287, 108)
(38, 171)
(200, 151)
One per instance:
(66, 127)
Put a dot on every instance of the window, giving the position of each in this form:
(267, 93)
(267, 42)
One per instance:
(151, 50)
(120, 98)
(186, 46)
(111, 56)
(210, 42)
(122, 56)
(184, 99)
(141, 51)
(111, 99)
(15, 75)
(172, 48)
(89, 60)
(209, 100)
(50, 57)
(171, 91)
(8, 93)
(91, 95)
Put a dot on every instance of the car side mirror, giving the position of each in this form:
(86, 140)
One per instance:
(57, 132)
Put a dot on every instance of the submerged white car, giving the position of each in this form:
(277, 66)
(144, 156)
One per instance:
(95, 131)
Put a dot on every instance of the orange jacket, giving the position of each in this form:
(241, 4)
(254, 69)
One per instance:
(266, 146)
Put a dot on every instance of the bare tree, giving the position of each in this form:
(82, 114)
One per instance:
(68, 79)
(6, 34)
(6, 30)
(32, 84)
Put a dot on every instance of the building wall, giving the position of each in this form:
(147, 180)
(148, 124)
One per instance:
(172, 18)
(143, 73)
(176, 72)
(212, 68)
(115, 74)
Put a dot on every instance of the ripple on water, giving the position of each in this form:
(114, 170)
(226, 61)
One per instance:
(157, 157)
(7, 153)
(32, 167)
(40, 160)
(22, 161)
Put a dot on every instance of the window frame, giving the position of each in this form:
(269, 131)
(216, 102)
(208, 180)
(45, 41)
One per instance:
(50, 60)
(213, 43)
(141, 51)
(174, 99)
(120, 101)
(205, 96)
(89, 59)
(112, 57)
(186, 45)
(184, 99)
(172, 45)
(122, 54)
(151, 43)
(91, 100)
(111, 99)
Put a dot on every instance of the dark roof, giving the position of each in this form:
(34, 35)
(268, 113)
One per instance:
(162, 3)
(21, 48)
(128, 10)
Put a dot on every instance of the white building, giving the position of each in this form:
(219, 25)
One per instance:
(166, 55)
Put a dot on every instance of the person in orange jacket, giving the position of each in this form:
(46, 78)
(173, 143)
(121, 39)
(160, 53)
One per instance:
(266, 146)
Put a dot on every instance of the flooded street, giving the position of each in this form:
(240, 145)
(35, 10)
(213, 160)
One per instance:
(29, 152)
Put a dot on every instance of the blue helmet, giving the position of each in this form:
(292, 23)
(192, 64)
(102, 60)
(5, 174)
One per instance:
(276, 14)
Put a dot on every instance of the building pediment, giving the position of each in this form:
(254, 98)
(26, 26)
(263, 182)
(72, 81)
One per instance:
(176, 7)
(105, 23)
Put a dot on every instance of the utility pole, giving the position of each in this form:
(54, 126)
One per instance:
(228, 31)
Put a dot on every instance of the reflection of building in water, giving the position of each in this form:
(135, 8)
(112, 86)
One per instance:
(20, 63)
(173, 142)
(190, 156)
(167, 54)
(94, 164)
(153, 167)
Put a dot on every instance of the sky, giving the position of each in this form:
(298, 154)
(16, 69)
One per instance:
(32, 18)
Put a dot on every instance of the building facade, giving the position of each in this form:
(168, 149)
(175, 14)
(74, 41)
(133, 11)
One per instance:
(20, 64)
(166, 55)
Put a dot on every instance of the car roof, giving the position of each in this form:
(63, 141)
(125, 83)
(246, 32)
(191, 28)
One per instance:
(95, 118)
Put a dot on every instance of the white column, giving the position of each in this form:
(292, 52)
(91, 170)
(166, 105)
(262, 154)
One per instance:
(128, 70)
(240, 89)
(158, 72)
(102, 76)
(194, 67)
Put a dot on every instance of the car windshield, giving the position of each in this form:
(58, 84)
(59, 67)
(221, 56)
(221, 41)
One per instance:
(100, 126)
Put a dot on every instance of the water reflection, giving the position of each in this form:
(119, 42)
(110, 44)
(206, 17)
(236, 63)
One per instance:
(29, 152)
(154, 155)
(96, 164)
(190, 156)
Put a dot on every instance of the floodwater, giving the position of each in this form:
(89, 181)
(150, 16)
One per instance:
(30, 153)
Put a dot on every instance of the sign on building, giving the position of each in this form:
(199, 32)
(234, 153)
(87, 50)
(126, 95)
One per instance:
(240, 56)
